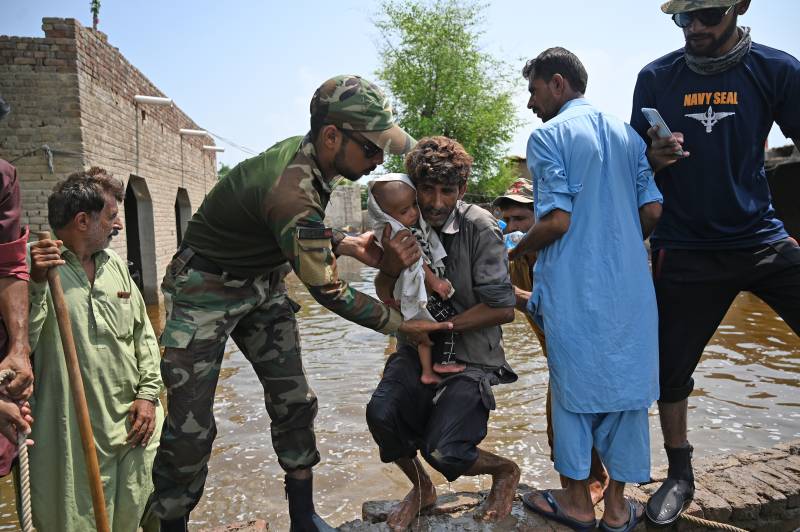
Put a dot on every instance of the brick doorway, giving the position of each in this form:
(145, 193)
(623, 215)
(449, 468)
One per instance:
(139, 228)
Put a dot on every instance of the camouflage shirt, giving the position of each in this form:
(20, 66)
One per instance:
(250, 223)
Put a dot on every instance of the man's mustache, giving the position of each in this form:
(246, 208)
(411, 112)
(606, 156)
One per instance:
(435, 212)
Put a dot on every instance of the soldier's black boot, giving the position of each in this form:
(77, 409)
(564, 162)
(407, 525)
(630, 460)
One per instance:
(676, 493)
(302, 516)
(175, 525)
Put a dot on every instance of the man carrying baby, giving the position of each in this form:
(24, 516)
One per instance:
(393, 200)
(447, 422)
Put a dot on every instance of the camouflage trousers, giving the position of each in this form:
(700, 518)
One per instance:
(203, 309)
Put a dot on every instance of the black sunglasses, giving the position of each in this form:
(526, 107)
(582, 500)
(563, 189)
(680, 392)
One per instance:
(708, 17)
(370, 149)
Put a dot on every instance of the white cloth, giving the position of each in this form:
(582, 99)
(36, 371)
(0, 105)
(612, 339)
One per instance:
(410, 286)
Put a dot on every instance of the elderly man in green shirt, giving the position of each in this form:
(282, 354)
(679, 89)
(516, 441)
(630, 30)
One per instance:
(119, 361)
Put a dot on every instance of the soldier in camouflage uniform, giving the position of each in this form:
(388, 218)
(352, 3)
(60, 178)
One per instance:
(227, 279)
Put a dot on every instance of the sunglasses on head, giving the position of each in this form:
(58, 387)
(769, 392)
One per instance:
(370, 150)
(708, 17)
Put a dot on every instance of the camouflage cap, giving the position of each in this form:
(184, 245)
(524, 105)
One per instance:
(520, 191)
(684, 6)
(355, 104)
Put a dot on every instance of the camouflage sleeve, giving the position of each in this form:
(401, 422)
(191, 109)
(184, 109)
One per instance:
(296, 218)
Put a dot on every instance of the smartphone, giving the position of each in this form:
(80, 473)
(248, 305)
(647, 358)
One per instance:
(654, 119)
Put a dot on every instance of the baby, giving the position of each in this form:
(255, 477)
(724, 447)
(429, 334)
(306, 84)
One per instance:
(393, 200)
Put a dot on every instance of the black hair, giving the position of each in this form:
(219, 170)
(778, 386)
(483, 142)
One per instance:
(557, 60)
(81, 192)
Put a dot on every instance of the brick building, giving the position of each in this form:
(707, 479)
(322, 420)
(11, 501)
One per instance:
(72, 98)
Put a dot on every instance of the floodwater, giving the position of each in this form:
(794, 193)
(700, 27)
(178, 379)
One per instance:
(747, 397)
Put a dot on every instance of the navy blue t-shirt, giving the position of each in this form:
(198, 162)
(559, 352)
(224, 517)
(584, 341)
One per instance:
(718, 197)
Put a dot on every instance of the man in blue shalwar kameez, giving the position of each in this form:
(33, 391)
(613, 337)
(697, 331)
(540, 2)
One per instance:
(595, 200)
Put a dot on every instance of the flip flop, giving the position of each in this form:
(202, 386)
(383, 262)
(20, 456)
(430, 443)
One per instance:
(633, 520)
(557, 514)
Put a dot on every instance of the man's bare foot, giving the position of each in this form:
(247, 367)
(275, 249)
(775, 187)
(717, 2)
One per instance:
(403, 514)
(504, 489)
(430, 378)
(449, 368)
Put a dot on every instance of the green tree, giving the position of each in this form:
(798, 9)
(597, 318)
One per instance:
(442, 83)
(223, 170)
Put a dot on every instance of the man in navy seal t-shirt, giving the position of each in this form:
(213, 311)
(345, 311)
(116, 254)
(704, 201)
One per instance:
(718, 234)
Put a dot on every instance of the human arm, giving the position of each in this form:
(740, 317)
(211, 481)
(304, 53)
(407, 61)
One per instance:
(544, 232)
(481, 316)
(521, 296)
(295, 218)
(555, 192)
(663, 152)
(433, 283)
(361, 247)
(660, 152)
(489, 281)
(14, 287)
(648, 196)
(649, 214)
(142, 413)
(43, 255)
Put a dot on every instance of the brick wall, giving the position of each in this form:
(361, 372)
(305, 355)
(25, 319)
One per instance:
(74, 91)
(38, 78)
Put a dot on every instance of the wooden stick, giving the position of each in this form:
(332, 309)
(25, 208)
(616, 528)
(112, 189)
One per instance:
(78, 395)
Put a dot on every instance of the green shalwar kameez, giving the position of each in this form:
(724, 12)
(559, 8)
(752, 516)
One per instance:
(119, 360)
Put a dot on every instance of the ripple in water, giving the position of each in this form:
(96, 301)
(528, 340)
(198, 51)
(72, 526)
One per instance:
(746, 397)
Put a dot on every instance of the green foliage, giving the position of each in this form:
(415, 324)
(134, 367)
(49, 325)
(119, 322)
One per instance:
(223, 170)
(442, 83)
(95, 9)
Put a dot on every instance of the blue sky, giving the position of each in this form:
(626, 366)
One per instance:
(246, 69)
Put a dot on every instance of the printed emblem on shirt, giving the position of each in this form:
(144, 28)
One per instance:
(710, 118)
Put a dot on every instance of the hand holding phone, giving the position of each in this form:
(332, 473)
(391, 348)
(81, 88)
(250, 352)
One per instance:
(654, 119)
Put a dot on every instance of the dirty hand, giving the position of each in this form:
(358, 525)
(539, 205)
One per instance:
(362, 248)
(417, 330)
(663, 151)
(45, 254)
(399, 252)
(14, 418)
(18, 360)
(142, 417)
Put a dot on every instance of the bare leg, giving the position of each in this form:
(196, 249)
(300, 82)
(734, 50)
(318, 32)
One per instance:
(574, 500)
(673, 422)
(428, 376)
(616, 511)
(505, 477)
(598, 478)
(422, 495)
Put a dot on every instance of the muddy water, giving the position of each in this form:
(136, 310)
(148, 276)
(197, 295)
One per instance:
(747, 397)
